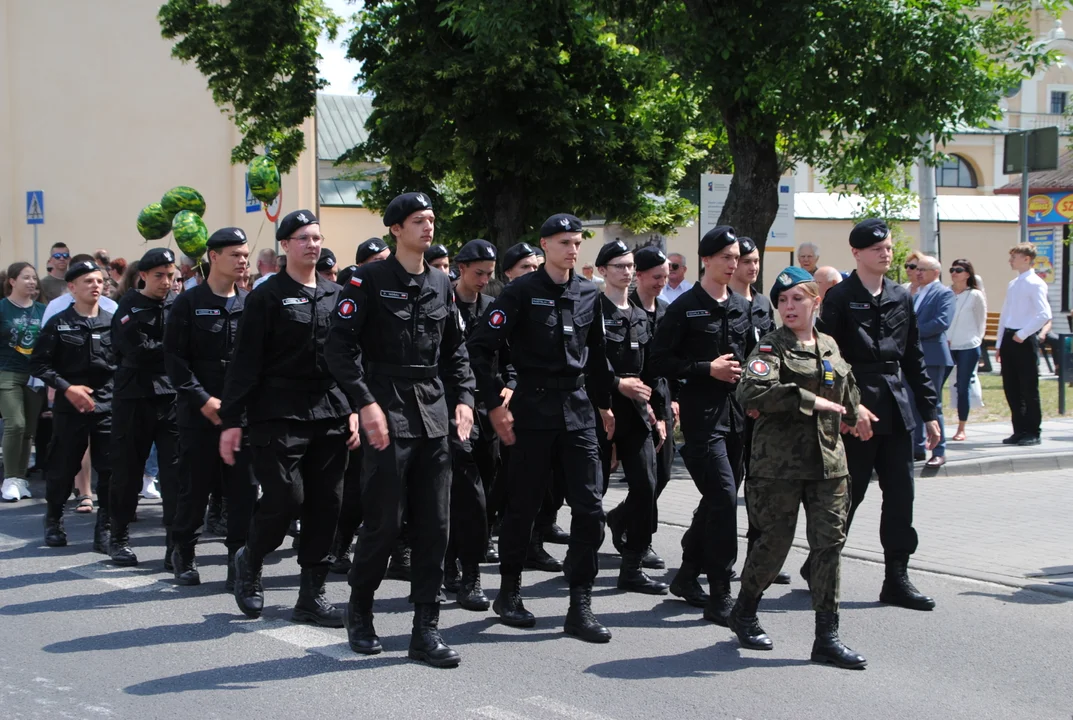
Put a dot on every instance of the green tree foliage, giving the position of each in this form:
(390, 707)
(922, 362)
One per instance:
(889, 198)
(260, 58)
(506, 113)
(848, 86)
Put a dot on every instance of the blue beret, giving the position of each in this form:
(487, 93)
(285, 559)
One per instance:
(787, 279)
(404, 206)
(610, 251)
(476, 251)
(648, 257)
(560, 223)
(716, 239)
(154, 258)
(515, 254)
(292, 222)
(79, 269)
(867, 233)
(226, 237)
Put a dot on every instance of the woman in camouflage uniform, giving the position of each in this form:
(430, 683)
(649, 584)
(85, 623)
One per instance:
(802, 394)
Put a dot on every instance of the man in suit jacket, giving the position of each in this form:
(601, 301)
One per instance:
(934, 304)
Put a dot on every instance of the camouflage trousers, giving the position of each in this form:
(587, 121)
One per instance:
(773, 505)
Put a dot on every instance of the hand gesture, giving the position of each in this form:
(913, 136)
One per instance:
(503, 422)
(374, 421)
(81, 397)
(464, 421)
(726, 368)
(634, 389)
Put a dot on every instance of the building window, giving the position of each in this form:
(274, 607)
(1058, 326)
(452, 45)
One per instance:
(955, 172)
(1058, 102)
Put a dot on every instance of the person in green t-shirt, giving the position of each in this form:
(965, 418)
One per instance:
(20, 323)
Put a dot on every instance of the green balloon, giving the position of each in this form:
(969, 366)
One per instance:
(190, 233)
(263, 178)
(154, 222)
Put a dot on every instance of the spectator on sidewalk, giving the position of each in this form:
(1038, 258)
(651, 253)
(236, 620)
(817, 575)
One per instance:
(266, 265)
(911, 272)
(676, 279)
(808, 257)
(966, 334)
(53, 285)
(826, 278)
(934, 307)
(1024, 313)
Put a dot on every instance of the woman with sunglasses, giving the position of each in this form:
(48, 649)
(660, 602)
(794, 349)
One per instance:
(966, 333)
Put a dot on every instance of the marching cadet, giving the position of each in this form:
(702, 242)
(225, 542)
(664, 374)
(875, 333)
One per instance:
(638, 408)
(552, 323)
(300, 421)
(327, 267)
(143, 403)
(800, 390)
(705, 336)
(199, 342)
(873, 322)
(473, 461)
(394, 346)
(436, 256)
(763, 321)
(74, 356)
(372, 250)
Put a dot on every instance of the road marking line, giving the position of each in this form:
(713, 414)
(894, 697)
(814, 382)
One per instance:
(8, 541)
(497, 713)
(563, 709)
(303, 637)
(119, 577)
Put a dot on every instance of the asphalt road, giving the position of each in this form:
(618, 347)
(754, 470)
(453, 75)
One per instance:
(79, 639)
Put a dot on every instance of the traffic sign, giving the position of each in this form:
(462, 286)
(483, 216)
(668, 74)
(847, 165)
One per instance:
(272, 211)
(252, 203)
(35, 207)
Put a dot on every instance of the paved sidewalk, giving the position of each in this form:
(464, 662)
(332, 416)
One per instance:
(983, 452)
(1010, 529)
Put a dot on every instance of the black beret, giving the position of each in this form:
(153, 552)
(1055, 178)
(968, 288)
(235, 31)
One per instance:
(560, 223)
(404, 206)
(292, 222)
(326, 261)
(648, 257)
(515, 254)
(716, 239)
(226, 237)
(434, 252)
(156, 257)
(746, 245)
(610, 251)
(867, 233)
(345, 274)
(367, 249)
(79, 269)
(452, 273)
(476, 251)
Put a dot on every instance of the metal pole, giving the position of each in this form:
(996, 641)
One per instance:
(929, 229)
(1024, 186)
(35, 247)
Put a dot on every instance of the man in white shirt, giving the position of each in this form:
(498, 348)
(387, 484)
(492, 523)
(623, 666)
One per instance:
(1024, 314)
(266, 265)
(676, 278)
(808, 257)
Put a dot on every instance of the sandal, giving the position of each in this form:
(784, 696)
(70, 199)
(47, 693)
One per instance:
(85, 504)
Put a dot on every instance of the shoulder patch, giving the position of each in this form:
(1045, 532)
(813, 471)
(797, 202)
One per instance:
(346, 308)
(124, 320)
(698, 313)
(759, 368)
(355, 281)
(765, 348)
(497, 319)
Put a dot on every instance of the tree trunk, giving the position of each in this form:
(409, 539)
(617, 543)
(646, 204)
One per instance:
(504, 209)
(753, 200)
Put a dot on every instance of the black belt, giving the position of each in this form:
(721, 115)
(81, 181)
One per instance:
(889, 367)
(553, 382)
(304, 384)
(1011, 331)
(411, 372)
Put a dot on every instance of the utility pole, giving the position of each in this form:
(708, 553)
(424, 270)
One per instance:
(929, 215)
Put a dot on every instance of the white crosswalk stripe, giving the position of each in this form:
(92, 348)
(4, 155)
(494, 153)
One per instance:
(497, 713)
(563, 709)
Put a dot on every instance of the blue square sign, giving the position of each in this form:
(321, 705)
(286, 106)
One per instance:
(252, 204)
(35, 207)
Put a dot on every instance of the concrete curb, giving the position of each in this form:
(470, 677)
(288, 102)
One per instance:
(1059, 460)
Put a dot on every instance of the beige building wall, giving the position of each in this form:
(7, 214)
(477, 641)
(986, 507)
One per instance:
(98, 115)
(345, 228)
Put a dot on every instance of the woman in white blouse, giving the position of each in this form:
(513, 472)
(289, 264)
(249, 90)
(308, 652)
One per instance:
(966, 333)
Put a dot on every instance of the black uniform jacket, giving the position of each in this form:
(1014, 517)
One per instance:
(695, 331)
(395, 340)
(629, 348)
(76, 350)
(198, 344)
(668, 389)
(877, 335)
(138, 338)
(278, 370)
(553, 337)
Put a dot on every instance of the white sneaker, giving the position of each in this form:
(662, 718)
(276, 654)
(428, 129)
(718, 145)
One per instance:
(149, 488)
(10, 491)
(24, 486)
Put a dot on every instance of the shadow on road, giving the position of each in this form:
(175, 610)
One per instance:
(1028, 595)
(719, 658)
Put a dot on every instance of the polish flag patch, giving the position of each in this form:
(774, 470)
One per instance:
(764, 348)
(124, 320)
(356, 282)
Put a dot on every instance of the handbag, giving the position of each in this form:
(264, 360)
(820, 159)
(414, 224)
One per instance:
(976, 393)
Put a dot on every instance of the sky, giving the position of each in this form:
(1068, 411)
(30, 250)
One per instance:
(334, 66)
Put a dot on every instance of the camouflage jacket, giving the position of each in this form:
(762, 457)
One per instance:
(782, 379)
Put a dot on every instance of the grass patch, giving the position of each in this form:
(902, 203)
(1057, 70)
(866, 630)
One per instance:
(995, 408)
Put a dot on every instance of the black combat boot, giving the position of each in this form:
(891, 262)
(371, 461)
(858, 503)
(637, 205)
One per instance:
(719, 603)
(580, 622)
(360, 632)
(829, 649)
(470, 594)
(426, 644)
(633, 579)
(898, 590)
(399, 567)
(537, 558)
(55, 535)
(508, 604)
(312, 606)
(783, 578)
(340, 552)
(168, 547)
(185, 564)
(100, 533)
(616, 528)
(452, 581)
(119, 548)
(651, 561)
(556, 535)
(491, 555)
(687, 586)
(746, 626)
(249, 593)
(229, 583)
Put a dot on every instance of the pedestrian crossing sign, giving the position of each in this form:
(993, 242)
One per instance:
(252, 204)
(35, 207)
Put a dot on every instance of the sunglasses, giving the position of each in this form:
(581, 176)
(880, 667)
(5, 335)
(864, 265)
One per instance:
(910, 266)
(60, 256)
(956, 270)
(675, 266)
